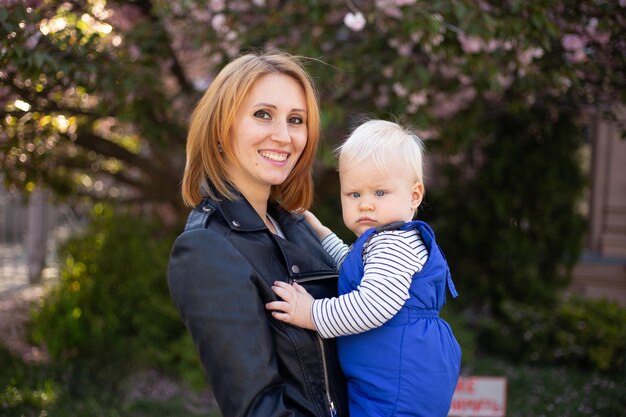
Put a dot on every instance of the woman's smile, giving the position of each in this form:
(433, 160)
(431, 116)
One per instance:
(274, 156)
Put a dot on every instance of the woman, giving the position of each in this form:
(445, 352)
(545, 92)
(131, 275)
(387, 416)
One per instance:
(250, 149)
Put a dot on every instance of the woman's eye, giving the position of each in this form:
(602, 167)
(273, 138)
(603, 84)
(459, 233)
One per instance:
(379, 193)
(296, 120)
(262, 114)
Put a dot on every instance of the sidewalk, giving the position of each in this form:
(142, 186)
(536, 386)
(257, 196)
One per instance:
(17, 296)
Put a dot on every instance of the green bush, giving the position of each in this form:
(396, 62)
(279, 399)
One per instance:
(24, 390)
(504, 239)
(464, 334)
(582, 332)
(111, 309)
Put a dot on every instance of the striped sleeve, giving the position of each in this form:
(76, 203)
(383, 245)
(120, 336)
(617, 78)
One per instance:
(335, 248)
(391, 259)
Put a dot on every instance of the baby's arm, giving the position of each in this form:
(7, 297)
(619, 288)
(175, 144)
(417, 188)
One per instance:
(330, 242)
(391, 259)
(296, 305)
(321, 230)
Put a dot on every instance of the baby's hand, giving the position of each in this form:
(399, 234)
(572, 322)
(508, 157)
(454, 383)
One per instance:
(321, 230)
(296, 305)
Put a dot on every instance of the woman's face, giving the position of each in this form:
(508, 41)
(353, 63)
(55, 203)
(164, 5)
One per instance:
(268, 135)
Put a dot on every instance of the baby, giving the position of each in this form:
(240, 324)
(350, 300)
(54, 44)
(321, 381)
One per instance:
(399, 356)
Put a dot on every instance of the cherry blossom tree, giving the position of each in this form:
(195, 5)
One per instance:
(95, 97)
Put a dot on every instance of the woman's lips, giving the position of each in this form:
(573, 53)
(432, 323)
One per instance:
(274, 156)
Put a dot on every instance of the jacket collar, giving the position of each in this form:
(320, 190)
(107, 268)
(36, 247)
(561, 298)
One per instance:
(241, 216)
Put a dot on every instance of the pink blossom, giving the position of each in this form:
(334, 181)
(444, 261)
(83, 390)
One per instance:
(25, 3)
(416, 36)
(446, 105)
(125, 16)
(134, 52)
(355, 21)
(405, 49)
(425, 134)
(601, 37)
(592, 25)
(32, 41)
(504, 80)
(418, 99)
(448, 71)
(564, 83)
(400, 90)
(492, 45)
(217, 5)
(470, 44)
(572, 42)
(219, 23)
(389, 8)
(526, 56)
(202, 15)
(578, 56)
(484, 6)
(465, 79)
(437, 39)
(382, 101)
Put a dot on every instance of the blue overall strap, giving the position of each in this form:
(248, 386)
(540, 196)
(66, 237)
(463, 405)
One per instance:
(451, 286)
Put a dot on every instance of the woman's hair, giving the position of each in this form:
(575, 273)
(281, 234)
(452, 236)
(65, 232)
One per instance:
(208, 144)
(375, 140)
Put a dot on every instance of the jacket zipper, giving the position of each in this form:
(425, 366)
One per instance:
(331, 404)
(313, 278)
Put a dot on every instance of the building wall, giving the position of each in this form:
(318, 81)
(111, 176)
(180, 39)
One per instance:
(602, 269)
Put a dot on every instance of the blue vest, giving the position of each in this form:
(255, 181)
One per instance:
(410, 365)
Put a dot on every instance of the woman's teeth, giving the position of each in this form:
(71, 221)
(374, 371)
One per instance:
(278, 157)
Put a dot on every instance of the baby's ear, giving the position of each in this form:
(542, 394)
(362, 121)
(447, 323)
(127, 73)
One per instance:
(417, 194)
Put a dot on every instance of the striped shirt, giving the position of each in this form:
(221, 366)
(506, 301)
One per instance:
(390, 260)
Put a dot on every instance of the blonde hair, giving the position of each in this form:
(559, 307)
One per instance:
(375, 139)
(208, 147)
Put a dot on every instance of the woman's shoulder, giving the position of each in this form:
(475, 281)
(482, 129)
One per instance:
(199, 216)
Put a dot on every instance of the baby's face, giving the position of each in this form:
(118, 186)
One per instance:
(371, 197)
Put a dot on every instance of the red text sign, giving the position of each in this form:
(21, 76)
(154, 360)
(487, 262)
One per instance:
(479, 396)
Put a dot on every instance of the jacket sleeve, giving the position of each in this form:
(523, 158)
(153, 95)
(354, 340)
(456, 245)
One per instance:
(214, 289)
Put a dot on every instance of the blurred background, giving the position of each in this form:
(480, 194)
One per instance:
(521, 105)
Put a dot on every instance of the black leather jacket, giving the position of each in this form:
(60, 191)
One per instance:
(220, 273)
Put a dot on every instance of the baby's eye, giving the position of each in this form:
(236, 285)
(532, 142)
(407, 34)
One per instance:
(379, 193)
(355, 194)
(262, 114)
(296, 120)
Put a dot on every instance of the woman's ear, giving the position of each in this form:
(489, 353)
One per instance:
(417, 194)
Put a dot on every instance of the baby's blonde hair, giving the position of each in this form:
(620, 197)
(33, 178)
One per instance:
(376, 139)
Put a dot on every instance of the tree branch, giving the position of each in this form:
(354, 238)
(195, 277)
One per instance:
(98, 144)
(147, 8)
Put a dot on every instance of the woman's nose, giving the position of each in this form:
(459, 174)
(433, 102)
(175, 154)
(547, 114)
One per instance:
(280, 133)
